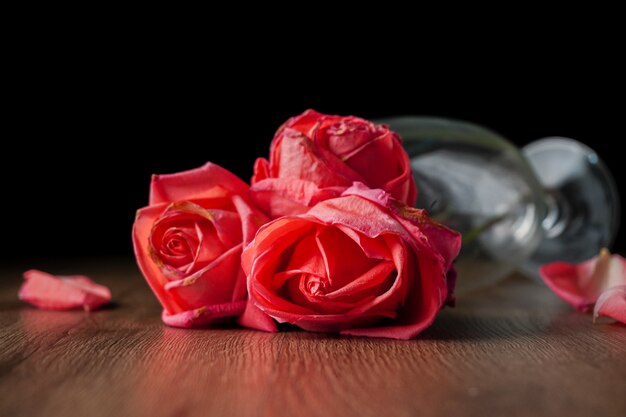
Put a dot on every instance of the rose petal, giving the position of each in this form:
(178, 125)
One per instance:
(250, 218)
(581, 284)
(335, 247)
(208, 181)
(49, 292)
(370, 219)
(261, 170)
(362, 160)
(445, 241)
(254, 318)
(214, 284)
(295, 159)
(203, 315)
(303, 123)
(148, 264)
(612, 303)
(345, 136)
(287, 196)
(423, 303)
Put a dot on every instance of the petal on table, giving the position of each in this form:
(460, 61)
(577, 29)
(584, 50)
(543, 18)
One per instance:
(612, 303)
(50, 292)
(581, 284)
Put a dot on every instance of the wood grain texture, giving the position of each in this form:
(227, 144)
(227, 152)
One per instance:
(513, 350)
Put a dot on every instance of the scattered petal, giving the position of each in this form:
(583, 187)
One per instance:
(612, 303)
(49, 292)
(581, 284)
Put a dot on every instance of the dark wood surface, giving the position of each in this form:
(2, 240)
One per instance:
(514, 350)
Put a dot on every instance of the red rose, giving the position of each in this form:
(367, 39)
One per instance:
(314, 157)
(188, 244)
(362, 264)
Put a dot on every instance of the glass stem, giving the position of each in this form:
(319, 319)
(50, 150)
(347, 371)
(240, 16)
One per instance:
(556, 218)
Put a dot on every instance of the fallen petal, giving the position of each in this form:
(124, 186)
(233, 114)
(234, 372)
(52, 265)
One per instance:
(50, 292)
(612, 303)
(581, 284)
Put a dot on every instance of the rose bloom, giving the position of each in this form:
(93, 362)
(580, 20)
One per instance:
(188, 244)
(314, 157)
(361, 264)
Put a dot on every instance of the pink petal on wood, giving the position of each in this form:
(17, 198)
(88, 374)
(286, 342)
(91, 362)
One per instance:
(581, 284)
(612, 303)
(49, 292)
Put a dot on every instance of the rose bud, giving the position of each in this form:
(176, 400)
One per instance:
(188, 244)
(314, 157)
(362, 264)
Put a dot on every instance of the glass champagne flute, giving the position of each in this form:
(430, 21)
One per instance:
(552, 201)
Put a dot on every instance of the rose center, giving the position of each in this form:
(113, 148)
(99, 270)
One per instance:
(177, 246)
(315, 285)
(177, 243)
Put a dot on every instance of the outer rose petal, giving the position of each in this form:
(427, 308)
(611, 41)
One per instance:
(203, 315)
(612, 303)
(295, 157)
(212, 285)
(284, 196)
(204, 182)
(141, 234)
(261, 170)
(304, 123)
(254, 318)
(49, 292)
(581, 284)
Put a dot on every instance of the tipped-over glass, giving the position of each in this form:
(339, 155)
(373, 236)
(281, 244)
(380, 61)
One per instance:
(553, 201)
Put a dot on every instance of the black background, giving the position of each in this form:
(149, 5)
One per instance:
(85, 130)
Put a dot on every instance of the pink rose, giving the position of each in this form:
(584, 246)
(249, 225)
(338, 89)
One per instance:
(188, 244)
(361, 264)
(314, 157)
(598, 284)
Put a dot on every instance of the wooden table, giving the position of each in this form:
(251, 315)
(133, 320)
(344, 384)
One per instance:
(513, 350)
